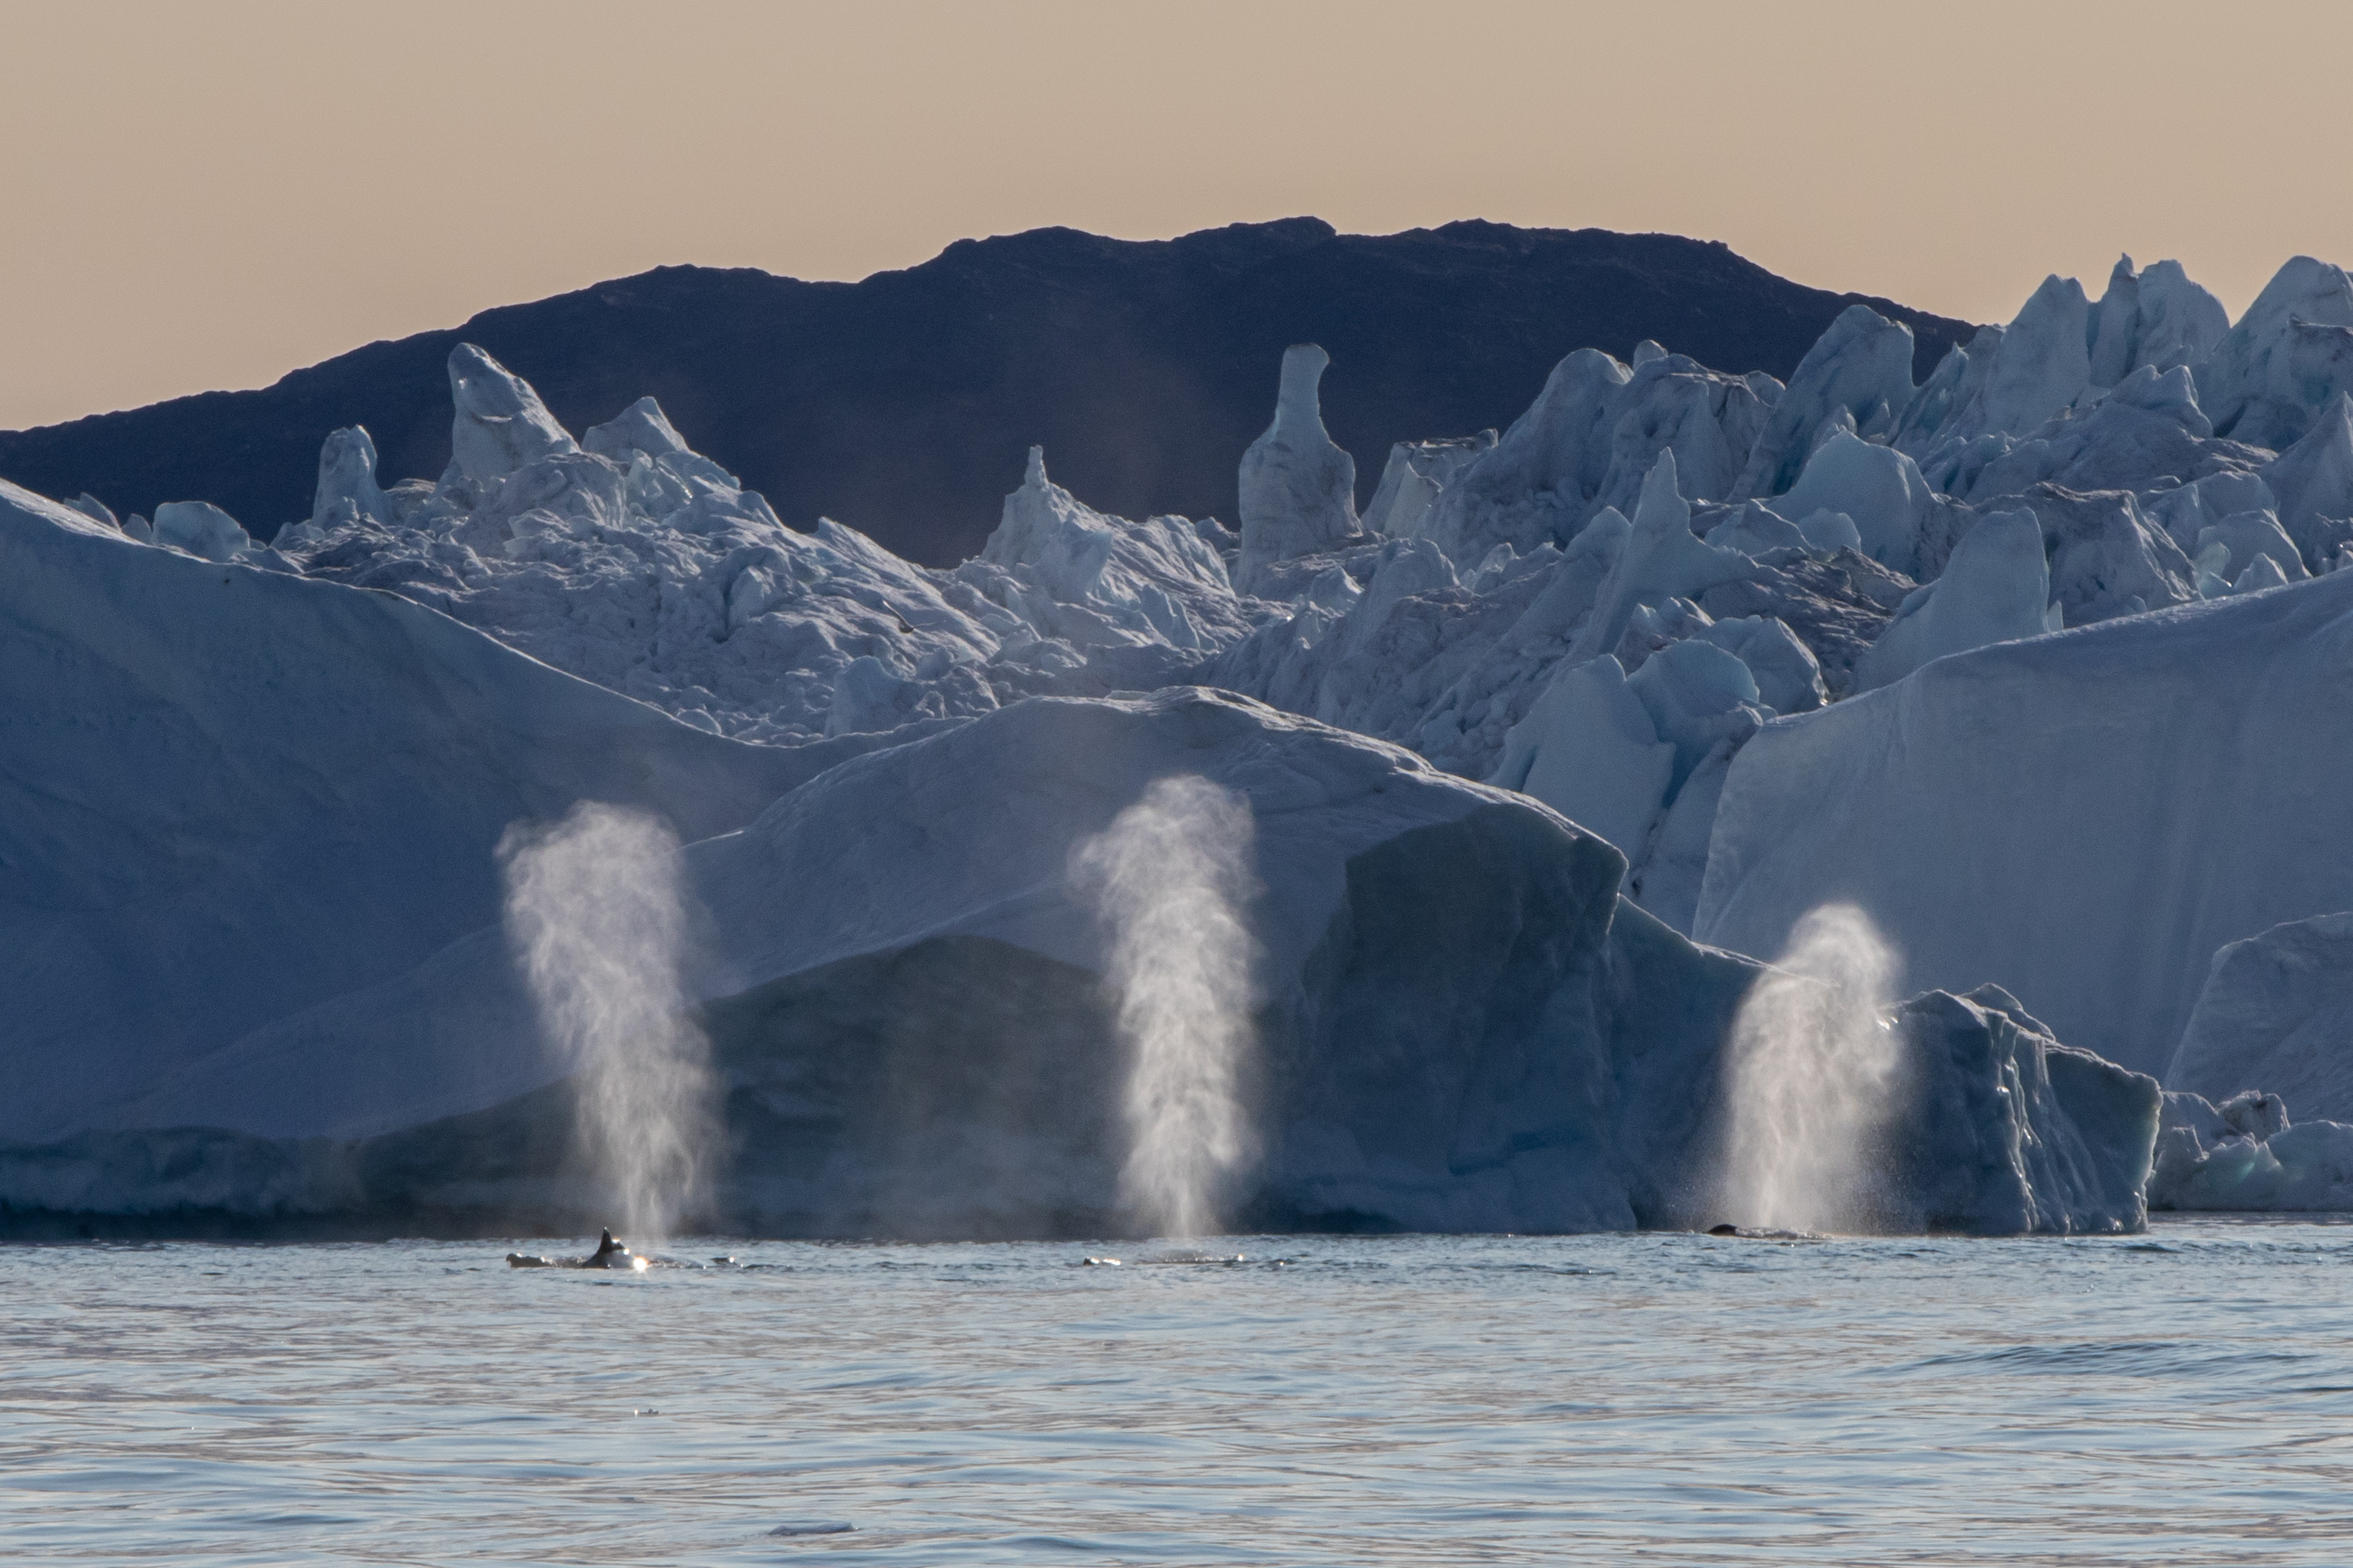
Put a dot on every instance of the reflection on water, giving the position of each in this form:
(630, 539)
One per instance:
(2185, 1396)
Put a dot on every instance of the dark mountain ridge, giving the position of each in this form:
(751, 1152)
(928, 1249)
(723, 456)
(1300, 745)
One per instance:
(904, 404)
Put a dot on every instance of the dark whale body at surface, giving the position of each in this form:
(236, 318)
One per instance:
(609, 1254)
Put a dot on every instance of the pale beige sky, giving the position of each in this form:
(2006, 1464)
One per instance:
(198, 195)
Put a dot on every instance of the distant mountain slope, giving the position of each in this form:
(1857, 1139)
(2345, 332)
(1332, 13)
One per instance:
(903, 404)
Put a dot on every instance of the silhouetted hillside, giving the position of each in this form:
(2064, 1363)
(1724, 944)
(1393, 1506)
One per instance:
(903, 404)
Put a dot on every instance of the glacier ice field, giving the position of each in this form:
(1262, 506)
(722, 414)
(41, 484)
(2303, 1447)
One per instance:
(1547, 758)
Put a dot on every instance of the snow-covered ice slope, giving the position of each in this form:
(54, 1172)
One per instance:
(230, 793)
(2084, 818)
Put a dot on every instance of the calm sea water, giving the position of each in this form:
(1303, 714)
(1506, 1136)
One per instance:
(2185, 1396)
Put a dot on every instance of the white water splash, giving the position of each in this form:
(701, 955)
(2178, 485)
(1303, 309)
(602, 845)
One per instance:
(1170, 878)
(1813, 1075)
(598, 917)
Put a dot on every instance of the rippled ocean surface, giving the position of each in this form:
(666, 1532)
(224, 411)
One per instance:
(2185, 1396)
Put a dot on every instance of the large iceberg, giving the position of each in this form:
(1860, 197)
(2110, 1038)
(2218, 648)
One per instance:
(2006, 1131)
(1724, 651)
(1437, 622)
(2087, 817)
(232, 795)
(1461, 1025)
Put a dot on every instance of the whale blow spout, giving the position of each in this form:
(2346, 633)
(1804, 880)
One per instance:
(597, 913)
(1813, 1073)
(1171, 877)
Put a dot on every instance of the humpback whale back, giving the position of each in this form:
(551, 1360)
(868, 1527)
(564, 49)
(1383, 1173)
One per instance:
(609, 1254)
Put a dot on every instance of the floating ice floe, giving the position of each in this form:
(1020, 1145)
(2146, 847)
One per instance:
(2244, 1154)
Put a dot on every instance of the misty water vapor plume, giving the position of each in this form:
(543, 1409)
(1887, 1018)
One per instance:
(1813, 1062)
(1171, 881)
(597, 916)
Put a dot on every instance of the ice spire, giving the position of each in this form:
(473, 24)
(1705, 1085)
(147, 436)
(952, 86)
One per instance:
(1298, 489)
(500, 422)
